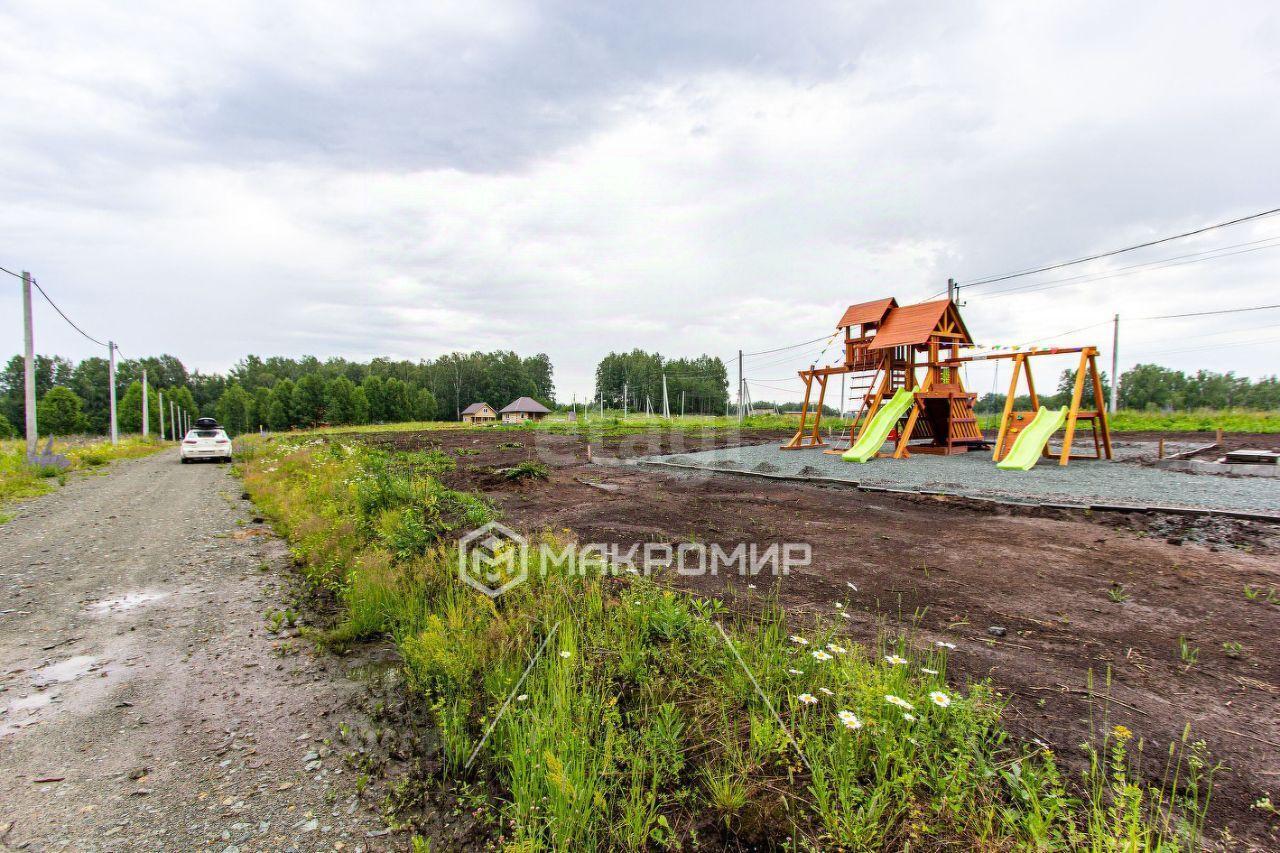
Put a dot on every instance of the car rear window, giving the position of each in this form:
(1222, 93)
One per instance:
(207, 433)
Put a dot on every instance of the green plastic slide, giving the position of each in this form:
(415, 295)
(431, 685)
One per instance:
(1026, 449)
(874, 435)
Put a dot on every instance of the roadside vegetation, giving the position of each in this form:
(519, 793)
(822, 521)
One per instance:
(1200, 420)
(638, 718)
(18, 480)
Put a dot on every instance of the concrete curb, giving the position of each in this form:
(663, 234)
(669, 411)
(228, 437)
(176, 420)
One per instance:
(1082, 508)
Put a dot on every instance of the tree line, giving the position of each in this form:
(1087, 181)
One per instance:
(1150, 387)
(275, 393)
(702, 382)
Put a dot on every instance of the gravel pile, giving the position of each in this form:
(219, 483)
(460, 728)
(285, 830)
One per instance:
(975, 475)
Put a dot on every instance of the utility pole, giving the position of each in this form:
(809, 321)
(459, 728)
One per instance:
(111, 390)
(666, 409)
(682, 402)
(173, 421)
(951, 290)
(161, 415)
(29, 365)
(1115, 364)
(624, 400)
(146, 416)
(740, 386)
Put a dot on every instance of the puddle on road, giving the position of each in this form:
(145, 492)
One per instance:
(63, 671)
(125, 602)
(23, 712)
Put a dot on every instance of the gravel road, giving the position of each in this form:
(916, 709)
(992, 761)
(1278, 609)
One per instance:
(143, 703)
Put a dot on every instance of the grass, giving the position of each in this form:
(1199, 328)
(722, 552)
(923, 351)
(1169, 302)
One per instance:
(19, 481)
(1200, 420)
(641, 718)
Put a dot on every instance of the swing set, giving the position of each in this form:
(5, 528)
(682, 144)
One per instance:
(886, 349)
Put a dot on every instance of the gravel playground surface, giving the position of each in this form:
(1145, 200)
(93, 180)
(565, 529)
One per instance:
(143, 704)
(1122, 482)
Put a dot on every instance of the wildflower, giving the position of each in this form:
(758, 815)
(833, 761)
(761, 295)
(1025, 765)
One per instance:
(850, 720)
(928, 671)
(566, 654)
(839, 605)
(808, 698)
(795, 671)
(825, 691)
(751, 586)
(940, 699)
(943, 644)
(910, 718)
(851, 586)
(799, 641)
(522, 697)
(820, 655)
(836, 650)
(844, 614)
(1122, 733)
(894, 660)
(899, 701)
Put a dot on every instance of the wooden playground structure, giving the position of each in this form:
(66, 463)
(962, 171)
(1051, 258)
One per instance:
(886, 346)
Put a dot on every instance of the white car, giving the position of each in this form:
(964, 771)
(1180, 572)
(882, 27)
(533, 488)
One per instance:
(206, 441)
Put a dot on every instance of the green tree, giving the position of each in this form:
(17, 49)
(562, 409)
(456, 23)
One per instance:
(260, 412)
(129, 408)
(61, 412)
(340, 401)
(234, 408)
(309, 400)
(359, 406)
(424, 405)
(6, 428)
(375, 394)
(280, 412)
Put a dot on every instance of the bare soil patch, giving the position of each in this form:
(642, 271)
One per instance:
(1033, 599)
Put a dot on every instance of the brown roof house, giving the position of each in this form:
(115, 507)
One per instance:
(524, 409)
(479, 413)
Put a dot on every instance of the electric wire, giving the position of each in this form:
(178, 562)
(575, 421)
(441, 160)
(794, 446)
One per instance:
(1018, 274)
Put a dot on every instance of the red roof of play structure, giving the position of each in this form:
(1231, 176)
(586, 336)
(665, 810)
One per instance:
(867, 312)
(911, 325)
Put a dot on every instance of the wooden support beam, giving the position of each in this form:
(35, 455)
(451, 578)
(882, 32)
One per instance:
(1008, 408)
(1074, 412)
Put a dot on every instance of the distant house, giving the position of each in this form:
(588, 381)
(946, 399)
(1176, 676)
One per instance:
(479, 413)
(524, 409)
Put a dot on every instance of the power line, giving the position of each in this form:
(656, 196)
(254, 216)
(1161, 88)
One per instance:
(780, 349)
(1004, 277)
(62, 314)
(1208, 313)
(1166, 263)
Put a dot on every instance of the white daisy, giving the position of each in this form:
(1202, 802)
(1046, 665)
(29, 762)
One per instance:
(798, 640)
(522, 697)
(940, 699)
(928, 671)
(566, 654)
(839, 604)
(795, 671)
(910, 718)
(820, 655)
(899, 701)
(826, 692)
(850, 720)
(836, 650)
(894, 660)
(943, 644)
(807, 698)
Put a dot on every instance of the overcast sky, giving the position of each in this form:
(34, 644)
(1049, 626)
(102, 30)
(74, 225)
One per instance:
(408, 179)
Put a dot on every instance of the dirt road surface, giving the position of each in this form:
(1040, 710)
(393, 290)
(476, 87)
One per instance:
(144, 705)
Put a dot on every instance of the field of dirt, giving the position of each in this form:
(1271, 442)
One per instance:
(1034, 600)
